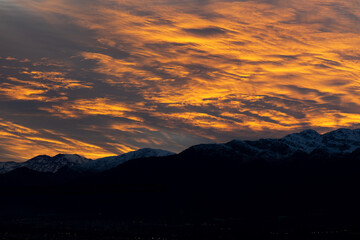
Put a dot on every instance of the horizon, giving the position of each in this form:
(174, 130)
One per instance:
(74, 153)
(104, 78)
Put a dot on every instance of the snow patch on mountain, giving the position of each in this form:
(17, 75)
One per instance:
(306, 142)
(8, 166)
(335, 142)
(107, 163)
(44, 163)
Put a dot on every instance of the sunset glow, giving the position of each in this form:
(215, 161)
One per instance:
(102, 78)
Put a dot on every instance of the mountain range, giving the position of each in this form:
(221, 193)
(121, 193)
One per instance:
(340, 141)
(44, 163)
(300, 184)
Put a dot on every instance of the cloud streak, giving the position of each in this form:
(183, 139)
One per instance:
(129, 74)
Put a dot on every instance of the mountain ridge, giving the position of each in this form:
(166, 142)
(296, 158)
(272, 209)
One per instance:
(339, 141)
(298, 177)
(107, 163)
(45, 163)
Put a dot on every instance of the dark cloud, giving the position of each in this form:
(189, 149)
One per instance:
(332, 16)
(29, 35)
(338, 82)
(351, 57)
(206, 32)
(303, 90)
(286, 57)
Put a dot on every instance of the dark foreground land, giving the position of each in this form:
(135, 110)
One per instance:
(193, 195)
(90, 227)
(101, 228)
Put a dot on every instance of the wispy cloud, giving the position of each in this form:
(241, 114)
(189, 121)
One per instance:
(119, 75)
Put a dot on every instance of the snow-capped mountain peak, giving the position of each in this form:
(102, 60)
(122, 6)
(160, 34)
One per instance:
(44, 163)
(338, 141)
(305, 141)
(309, 134)
(8, 166)
(344, 134)
(107, 163)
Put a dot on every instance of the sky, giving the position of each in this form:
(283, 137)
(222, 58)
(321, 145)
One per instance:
(101, 78)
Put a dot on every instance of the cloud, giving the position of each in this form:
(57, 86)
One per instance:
(99, 106)
(206, 32)
(23, 80)
(22, 143)
(113, 76)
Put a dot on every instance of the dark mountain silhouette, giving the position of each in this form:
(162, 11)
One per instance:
(281, 188)
(44, 163)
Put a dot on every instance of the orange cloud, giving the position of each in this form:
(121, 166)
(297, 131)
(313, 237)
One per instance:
(22, 143)
(34, 85)
(214, 70)
(98, 106)
(21, 93)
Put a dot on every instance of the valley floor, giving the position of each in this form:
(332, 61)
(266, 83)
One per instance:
(97, 227)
